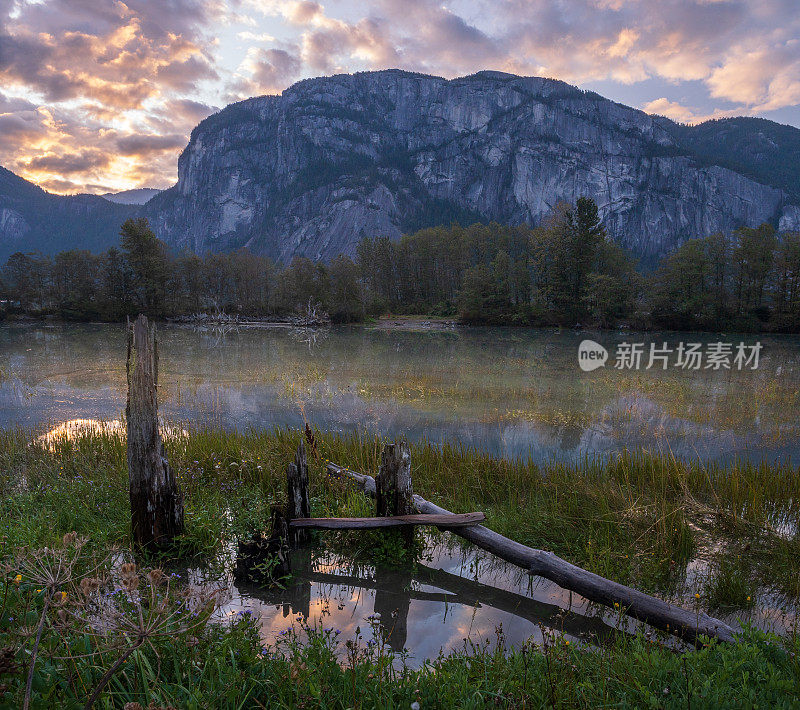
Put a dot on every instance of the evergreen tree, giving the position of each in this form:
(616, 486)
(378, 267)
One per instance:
(147, 259)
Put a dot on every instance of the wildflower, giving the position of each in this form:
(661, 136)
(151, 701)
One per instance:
(415, 705)
(697, 596)
(18, 579)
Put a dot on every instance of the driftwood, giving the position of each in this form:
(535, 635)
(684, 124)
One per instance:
(396, 521)
(686, 624)
(156, 501)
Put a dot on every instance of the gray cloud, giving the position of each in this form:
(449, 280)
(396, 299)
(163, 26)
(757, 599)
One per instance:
(148, 144)
(70, 163)
(130, 79)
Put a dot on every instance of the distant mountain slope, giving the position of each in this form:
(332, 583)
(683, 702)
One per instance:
(763, 150)
(332, 159)
(137, 196)
(34, 220)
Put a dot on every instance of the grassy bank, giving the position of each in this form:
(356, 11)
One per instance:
(636, 519)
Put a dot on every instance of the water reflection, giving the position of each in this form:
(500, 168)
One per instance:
(509, 392)
(434, 606)
(73, 429)
(456, 596)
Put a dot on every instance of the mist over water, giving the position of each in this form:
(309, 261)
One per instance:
(510, 392)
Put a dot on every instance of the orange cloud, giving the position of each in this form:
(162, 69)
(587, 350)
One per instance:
(102, 94)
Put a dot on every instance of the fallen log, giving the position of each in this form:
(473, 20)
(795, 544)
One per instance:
(395, 521)
(683, 623)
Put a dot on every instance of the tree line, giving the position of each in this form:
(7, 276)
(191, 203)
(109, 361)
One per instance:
(563, 272)
(143, 276)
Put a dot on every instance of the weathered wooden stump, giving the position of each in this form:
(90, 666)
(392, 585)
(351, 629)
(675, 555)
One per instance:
(156, 500)
(393, 485)
(297, 489)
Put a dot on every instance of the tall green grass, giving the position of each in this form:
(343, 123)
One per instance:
(635, 518)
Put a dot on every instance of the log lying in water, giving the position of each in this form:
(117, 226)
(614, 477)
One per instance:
(442, 521)
(687, 625)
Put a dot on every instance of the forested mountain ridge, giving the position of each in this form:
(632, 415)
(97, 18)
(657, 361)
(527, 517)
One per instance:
(763, 150)
(334, 159)
(34, 220)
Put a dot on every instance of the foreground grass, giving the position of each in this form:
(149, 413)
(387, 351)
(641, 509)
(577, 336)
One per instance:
(230, 669)
(636, 519)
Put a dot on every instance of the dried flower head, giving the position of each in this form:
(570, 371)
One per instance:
(89, 585)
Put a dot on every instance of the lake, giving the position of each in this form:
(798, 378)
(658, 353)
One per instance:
(510, 392)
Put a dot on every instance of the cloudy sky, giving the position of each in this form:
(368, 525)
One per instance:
(99, 95)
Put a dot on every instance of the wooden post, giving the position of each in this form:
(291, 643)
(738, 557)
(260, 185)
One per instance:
(156, 501)
(297, 489)
(393, 485)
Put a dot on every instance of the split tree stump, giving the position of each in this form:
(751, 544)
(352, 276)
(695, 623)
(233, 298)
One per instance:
(393, 483)
(156, 501)
(297, 489)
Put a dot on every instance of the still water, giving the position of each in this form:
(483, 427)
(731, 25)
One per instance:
(511, 392)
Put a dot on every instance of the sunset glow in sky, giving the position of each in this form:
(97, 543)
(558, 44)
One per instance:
(100, 95)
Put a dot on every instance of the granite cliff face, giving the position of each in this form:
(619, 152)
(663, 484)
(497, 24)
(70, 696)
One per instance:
(333, 159)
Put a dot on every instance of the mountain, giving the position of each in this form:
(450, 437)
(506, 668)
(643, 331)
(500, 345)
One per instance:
(34, 220)
(131, 197)
(332, 159)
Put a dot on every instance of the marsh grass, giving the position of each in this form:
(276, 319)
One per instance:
(731, 584)
(635, 518)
